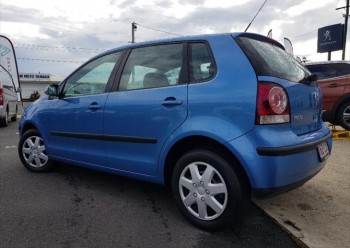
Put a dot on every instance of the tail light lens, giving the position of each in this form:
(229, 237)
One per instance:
(1, 98)
(272, 104)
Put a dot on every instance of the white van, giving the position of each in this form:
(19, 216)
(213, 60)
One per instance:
(8, 98)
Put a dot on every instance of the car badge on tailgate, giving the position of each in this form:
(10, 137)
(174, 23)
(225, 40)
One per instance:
(297, 117)
(315, 96)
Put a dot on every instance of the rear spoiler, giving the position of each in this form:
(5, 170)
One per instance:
(260, 38)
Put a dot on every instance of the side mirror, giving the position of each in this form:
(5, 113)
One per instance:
(52, 90)
(19, 90)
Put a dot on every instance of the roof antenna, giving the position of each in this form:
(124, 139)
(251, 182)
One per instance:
(255, 16)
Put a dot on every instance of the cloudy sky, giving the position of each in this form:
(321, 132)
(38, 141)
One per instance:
(56, 36)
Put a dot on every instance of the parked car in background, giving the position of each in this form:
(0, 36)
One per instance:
(8, 98)
(218, 118)
(334, 81)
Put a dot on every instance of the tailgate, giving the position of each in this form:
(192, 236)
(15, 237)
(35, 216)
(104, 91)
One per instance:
(306, 108)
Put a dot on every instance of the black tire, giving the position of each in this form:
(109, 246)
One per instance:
(209, 202)
(4, 121)
(14, 118)
(343, 115)
(32, 152)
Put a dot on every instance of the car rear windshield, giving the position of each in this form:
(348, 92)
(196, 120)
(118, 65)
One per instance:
(270, 60)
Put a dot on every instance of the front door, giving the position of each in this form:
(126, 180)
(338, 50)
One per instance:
(75, 121)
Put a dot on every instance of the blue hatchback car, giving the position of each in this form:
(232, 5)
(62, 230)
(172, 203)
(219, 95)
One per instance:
(219, 118)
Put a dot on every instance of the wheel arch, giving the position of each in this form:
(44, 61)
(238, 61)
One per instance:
(338, 104)
(202, 142)
(27, 127)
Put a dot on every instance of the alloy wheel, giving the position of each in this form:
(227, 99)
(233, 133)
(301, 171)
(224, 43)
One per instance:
(203, 191)
(34, 152)
(346, 115)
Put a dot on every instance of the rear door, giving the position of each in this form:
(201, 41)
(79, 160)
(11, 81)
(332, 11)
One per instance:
(331, 81)
(344, 68)
(332, 90)
(151, 102)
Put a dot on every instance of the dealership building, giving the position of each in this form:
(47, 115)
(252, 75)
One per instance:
(36, 82)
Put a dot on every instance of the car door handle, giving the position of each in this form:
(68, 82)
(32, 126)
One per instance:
(94, 106)
(171, 101)
(334, 85)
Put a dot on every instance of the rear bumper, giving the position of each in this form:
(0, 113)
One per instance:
(276, 160)
(289, 150)
(264, 193)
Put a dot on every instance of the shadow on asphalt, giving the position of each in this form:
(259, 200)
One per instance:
(254, 229)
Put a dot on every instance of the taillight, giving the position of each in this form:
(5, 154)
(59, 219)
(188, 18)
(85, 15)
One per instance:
(1, 98)
(272, 104)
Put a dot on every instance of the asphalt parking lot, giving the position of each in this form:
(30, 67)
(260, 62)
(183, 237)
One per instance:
(318, 213)
(75, 207)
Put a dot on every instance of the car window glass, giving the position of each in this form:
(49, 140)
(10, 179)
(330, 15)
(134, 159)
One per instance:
(323, 71)
(270, 60)
(342, 68)
(202, 66)
(151, 67)
(6, 81)
(93, 77)
(173, 75)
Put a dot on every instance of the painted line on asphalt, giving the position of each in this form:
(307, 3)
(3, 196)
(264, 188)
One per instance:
(10, 147)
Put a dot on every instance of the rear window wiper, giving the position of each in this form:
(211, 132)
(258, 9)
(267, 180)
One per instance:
(310, 80)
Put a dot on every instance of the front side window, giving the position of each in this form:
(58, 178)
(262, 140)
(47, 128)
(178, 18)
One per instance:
(152, 67)
(93, 77)
(202, 66)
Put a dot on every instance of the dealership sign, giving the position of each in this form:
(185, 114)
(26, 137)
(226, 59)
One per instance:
(34, 77)
(330, 38)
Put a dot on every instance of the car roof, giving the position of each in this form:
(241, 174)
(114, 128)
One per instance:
(194, 38)
(186, 38)
(328, 62)
(168, 40)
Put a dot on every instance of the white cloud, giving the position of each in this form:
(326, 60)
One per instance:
(178, 10)
(72, 10)
(224, 3)
(18, 30)
(107, 23)
(307, 5)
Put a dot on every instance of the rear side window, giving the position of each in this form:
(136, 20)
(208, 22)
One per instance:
(270, 60)
(202, 66)
(323, 71)
(342, 68)
(152, 67)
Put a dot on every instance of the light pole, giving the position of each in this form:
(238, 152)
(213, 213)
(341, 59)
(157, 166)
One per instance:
(345, 27)
(133, 29)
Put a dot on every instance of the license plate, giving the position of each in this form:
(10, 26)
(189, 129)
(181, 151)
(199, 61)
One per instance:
(323, 151)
